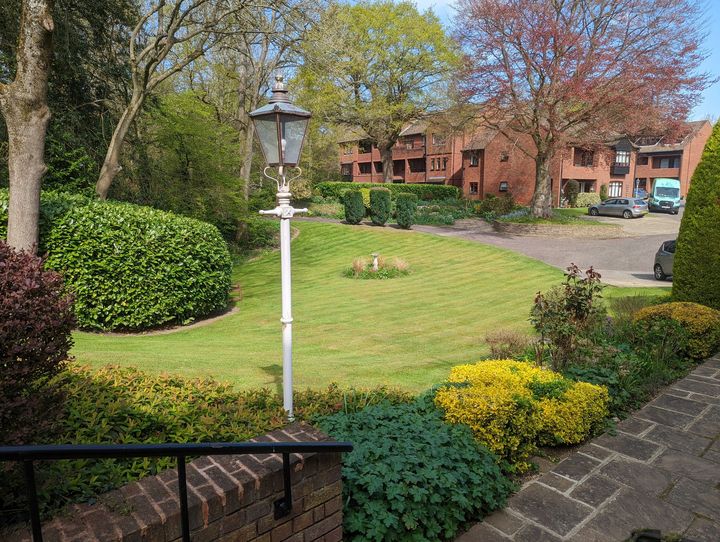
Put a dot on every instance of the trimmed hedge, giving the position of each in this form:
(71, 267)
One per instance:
(405, 209)
(513, 406)
(701, 323)
(411, 476)
(424, 192)
(354, 206)
(695, 273)
(133, 267)
(380, 205)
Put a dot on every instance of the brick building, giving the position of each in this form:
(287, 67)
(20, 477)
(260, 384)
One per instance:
(485, 161)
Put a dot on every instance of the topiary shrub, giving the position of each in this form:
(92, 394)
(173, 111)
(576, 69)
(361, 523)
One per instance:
(380, 206)
(572, 189)
(513, 406)
(701, 324)
(405, 209)
(411, 476)
(603, 192)
(133, 267)
(697, 260)
(354, 206)
(36, 319)
(586, 199)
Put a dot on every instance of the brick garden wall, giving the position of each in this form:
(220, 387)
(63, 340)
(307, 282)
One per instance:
(230, 499)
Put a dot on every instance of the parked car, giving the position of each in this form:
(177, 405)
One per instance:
(664, 260)
(624, 207)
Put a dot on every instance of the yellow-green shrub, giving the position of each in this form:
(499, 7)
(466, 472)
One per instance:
(513, 406)
(701, 323)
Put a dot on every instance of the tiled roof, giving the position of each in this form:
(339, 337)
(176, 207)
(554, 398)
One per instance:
(693, 128)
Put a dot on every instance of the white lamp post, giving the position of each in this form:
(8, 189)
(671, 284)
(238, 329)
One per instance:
(281, 128)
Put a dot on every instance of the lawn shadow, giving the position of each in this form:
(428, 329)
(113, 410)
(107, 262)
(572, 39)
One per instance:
(276, 373)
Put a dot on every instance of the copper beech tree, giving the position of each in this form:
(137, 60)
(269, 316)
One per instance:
(579, 72)
(23, 104)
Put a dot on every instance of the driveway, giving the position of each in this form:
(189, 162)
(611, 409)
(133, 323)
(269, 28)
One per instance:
(626, 261)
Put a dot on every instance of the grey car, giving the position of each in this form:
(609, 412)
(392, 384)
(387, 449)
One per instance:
(624, 207)
(664, 260)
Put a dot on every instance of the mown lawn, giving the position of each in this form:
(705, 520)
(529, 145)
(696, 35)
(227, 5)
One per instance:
(404, 332)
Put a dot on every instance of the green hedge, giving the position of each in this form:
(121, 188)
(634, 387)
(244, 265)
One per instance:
(380, 205)
(134, 267)
(354, 206)
(424, 192)
(695, 274)
(411, 476)
(586, 199)
(405, 209)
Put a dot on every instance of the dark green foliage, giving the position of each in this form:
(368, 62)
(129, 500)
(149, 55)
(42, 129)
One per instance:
(36, 319)
(422, 191)
(354, 206)
(603, 192)
(258, 233)
(380, 206)
(411, 476)
(572, 189)
(492, 206)
(405, 209)
(697, 260)
(134, 267)
(620, 387)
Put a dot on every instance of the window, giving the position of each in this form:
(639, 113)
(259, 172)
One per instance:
(408, 144)
(364, 168)
(669, 246)
(474, 188)
(432, 164)
(504, 186)
(504, 156)
(438, 139)
(365, 146)
(348, 149)
(622, 158)
(378, 167)
(346, 170)
(444, 164)
(474, 161)
(583, 157)
(417, 165)
(615, 189)
(642, 161)
(666, 162)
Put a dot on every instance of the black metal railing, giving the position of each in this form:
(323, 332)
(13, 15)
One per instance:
(29, 454)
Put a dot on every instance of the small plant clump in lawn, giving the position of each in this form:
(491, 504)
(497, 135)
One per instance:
(377, 267)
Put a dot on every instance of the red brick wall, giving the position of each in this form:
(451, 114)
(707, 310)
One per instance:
(230, 499)
(518, 170)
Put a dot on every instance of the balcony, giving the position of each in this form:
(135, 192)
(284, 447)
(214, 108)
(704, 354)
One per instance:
(401, 152)
(619, 169)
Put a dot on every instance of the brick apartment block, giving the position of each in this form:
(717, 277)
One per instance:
(485, 161)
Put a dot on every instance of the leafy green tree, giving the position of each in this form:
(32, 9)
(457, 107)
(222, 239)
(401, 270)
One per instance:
(377, 66)
(697, 260)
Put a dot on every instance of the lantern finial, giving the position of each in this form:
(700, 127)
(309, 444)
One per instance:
(279, 91)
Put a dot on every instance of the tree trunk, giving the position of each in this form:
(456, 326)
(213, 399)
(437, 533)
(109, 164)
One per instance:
(111, 165)
(387, 161)
(23, 104)
(541, 204)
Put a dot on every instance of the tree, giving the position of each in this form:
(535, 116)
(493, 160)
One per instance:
(23, 104)
(170, 35)
(377, 66)
(697, 259)
(580, 71)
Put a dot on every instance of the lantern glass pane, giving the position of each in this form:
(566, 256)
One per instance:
(267, 134)
(293, 132)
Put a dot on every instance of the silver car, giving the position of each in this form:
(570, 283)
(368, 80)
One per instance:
(664, 260)
(624, 207)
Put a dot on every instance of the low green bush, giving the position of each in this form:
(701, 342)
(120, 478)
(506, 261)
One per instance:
(380, 206)
(133, 267)
(492, 206)
(586, 199)
(257, 233)
(411, 476)
(405, 209)
(422, 191)
(354, 206)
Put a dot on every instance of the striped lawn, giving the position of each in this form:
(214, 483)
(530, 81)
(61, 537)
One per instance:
(405, 332)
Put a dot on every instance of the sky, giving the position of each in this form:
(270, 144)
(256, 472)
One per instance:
(709, 107)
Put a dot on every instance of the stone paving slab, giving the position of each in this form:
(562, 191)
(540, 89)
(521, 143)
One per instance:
(661, 470)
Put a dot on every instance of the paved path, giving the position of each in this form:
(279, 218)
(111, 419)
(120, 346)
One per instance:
(661, 470)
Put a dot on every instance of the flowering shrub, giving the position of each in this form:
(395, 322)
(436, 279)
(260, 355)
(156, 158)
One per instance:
(513, 406)
(701, 323)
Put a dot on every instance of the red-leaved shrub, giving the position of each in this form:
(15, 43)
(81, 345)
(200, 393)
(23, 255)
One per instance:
(36, 319)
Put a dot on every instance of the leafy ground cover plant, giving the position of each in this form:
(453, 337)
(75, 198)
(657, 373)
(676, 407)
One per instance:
(512, 407)
(387, 268)
(411, 476)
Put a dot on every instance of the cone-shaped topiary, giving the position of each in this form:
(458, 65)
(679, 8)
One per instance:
(379, 206)
(697, 260)
(354, 206)
(405, 207)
